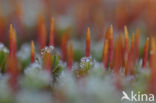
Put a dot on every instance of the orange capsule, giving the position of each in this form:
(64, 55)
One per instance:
(12, 41)
(88, 42)
(126, 39)
(126, 49)
(42, 33)
(12, 59)
(105, 53)
(32, 52)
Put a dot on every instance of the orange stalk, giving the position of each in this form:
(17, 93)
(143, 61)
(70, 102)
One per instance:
(88, 42)
(116, 61)
(13, 71)
(2, 27)
(12, 60)
(110, 45)
(12, 41)
(105, 53)
(47, 62)
(137, 40)
(19, 13)
(126, 39)
(32, 52)
(152, 66)
(152, 53)
(51, 36)
(42, 34)
(145, 54)
(131, 56)
(107, 33)
(64, 42)
(121, 48)
(63, 48)
(126, 48)
(132, 45)
(126, 67)
(70, 56)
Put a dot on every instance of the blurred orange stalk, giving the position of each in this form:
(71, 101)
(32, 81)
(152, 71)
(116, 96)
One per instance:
(88, 42)
(126, 49)
(116, 60)
(47, 62)
(110, 48)
(64, 42)
(70, 56)
(145, 54)
(42, 33)
(137, 40)
(12, 59)
(32, 52)
(153, 66)
(105, 53)
(130, 61)
(51, 36)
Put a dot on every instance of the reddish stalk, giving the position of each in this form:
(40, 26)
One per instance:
(42, 34)
(51, 35)
(137, 40)
(152, 66)
(110, 48)
(105, 53)
(32, 52)
(152, 53)
(47, 62)
(64, 42)
(116, 61)
(126, 49)
(121, 49)
(88, 42)
(12, 59)
(117, 55)
(70, 56)
(145, 54)
(130, 61)
(12, 41)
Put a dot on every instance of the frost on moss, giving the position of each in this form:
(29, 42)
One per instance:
(35, 77)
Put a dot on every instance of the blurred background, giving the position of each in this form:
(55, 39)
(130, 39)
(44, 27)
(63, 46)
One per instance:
(76, 15)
